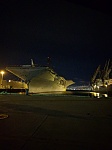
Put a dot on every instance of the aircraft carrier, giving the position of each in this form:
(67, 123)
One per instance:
(40, 79)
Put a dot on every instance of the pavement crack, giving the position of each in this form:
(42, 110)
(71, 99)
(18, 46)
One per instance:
(41, 123)
(36, 130)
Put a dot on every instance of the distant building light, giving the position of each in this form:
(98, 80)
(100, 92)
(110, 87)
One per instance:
(9, 80)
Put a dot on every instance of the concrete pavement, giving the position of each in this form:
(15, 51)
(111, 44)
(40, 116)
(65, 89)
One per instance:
(55, 122)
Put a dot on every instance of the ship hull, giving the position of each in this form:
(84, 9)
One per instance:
(41, 79)
(48, 81)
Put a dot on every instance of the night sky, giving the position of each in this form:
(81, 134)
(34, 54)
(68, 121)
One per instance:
(77, 36)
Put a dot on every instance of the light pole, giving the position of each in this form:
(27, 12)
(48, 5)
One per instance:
(2, 73)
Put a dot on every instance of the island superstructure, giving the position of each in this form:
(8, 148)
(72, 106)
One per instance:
(40, 78)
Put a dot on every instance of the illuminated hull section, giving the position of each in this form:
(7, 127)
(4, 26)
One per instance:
(40, 79)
